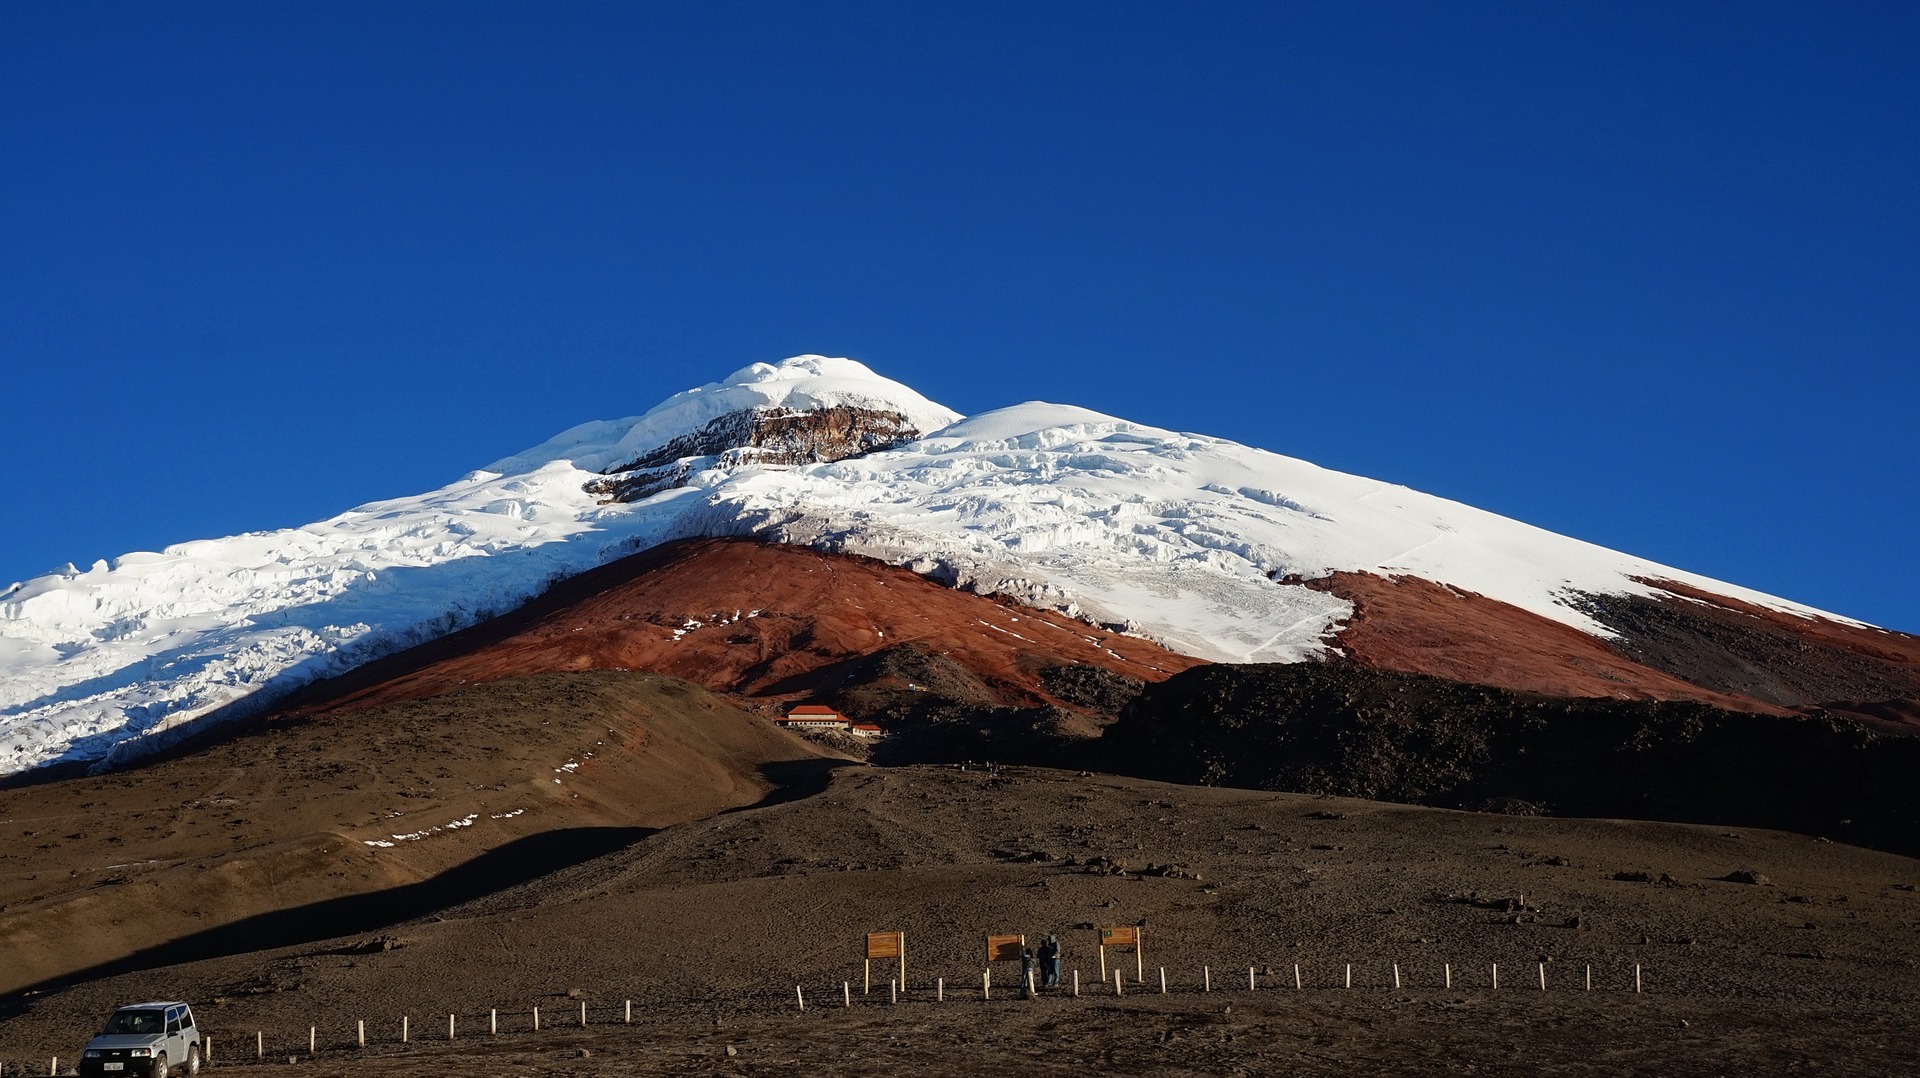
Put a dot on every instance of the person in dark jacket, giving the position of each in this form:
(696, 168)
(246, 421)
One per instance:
(1050, 962)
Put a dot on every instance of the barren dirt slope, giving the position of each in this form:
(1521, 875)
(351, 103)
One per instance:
(1761, 952)
(271, 829)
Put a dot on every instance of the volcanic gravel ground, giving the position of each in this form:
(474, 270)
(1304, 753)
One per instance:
(709, 927)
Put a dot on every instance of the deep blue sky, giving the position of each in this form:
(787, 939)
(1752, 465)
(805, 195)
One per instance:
(1645, 274)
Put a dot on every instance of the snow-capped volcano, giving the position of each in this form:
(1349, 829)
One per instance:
(1198, 543)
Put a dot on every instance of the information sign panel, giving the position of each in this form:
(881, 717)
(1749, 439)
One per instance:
(1005, 948)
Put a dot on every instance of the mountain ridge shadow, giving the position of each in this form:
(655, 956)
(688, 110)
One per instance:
(499, 869)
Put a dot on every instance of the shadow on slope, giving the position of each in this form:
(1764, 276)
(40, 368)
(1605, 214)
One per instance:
(496, 870)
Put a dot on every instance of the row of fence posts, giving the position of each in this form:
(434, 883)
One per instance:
(1206, 983)
(406, 1032)
(893, 994)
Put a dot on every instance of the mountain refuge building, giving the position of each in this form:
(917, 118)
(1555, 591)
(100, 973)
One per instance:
(821, 717)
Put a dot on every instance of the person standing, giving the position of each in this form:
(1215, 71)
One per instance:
(1050, 962)
(1026, 969)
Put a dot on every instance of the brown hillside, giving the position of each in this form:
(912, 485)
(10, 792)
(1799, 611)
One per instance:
(1761, 953)
(500, 783)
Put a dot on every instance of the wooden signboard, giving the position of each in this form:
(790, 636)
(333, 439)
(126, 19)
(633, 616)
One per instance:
(1123, 936)
(1005, 948)
(885, 945)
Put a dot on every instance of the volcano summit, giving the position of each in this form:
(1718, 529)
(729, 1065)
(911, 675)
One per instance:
(1213, 550)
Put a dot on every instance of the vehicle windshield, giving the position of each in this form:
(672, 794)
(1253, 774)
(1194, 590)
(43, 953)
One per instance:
(137, 1022)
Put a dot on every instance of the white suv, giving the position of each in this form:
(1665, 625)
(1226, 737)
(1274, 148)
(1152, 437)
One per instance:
(147, 1039)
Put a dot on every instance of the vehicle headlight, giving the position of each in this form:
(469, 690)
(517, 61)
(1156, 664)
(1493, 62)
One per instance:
(141, 1052)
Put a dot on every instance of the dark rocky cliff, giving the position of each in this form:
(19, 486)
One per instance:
(1338, 729)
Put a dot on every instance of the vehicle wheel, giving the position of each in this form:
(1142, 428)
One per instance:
(193, 1059)
(160, 1065)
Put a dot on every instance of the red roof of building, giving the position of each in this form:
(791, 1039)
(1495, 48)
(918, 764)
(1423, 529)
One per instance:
(813, 710)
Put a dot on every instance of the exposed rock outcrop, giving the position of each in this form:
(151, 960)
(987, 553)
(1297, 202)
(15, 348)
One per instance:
(759, 436)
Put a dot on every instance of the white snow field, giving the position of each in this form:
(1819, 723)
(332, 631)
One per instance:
(1175, 537)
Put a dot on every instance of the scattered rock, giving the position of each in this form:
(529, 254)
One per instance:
(1171, 872)
(1646, 877)
(1747, 875)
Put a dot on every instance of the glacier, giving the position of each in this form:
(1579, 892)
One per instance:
(1187, 540)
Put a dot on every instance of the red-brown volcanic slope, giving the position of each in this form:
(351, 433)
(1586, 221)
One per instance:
(749, 618)
(1880, 645)
(1697, 646)
(1415, 626)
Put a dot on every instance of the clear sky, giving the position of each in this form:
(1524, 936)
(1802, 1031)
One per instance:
(1646, 274)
